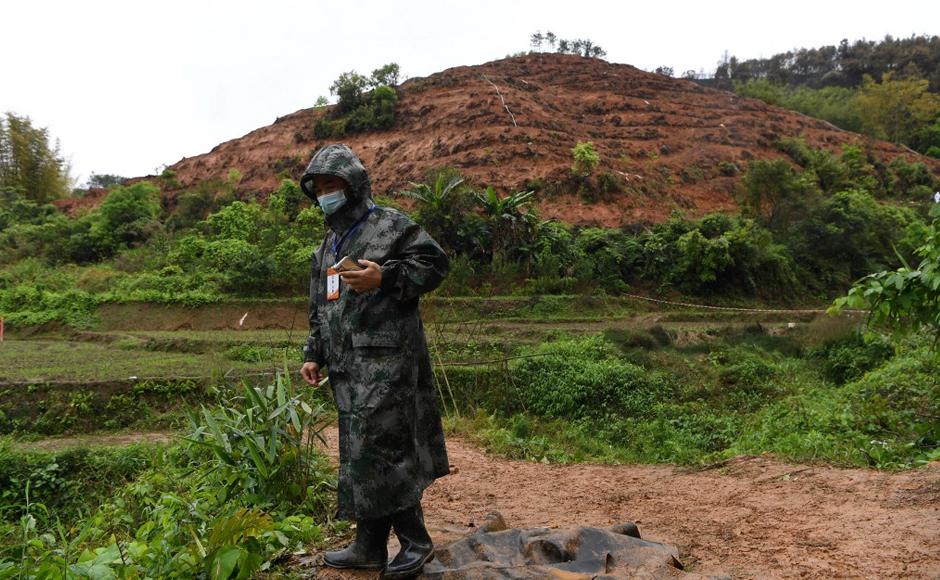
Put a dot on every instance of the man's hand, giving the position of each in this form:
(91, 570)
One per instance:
(363, 280)
(310, 373)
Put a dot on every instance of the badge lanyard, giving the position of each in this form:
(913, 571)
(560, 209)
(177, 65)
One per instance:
(332, 276)
(349, 232)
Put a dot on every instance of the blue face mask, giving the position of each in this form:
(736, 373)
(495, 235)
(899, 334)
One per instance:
(330, 202)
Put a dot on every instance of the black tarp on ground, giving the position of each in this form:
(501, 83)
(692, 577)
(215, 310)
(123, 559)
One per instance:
(493, 551)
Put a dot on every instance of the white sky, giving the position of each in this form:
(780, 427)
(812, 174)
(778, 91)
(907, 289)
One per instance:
(128, 86)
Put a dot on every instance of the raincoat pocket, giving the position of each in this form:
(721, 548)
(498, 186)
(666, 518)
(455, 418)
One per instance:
(383, 340)
(376, 367)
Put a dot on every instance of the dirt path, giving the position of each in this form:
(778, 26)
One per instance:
(753, 518)
(119, 439)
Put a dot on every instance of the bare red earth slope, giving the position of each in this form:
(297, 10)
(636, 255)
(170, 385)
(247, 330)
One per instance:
(664, 137)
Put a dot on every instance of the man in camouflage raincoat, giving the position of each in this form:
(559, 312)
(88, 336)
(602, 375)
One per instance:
(370, 335)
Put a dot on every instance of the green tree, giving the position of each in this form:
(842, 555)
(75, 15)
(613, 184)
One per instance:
(191, 207)
(287, 199)
(905, 299)
(378, 114)
(105, 180)
(896, 109)
(238, 220)
(775, 193)
(126, 215)
(29, 164)
(386, 75)
(445, 209)
(349, 88)
(551, 39)
(365, 103)
(536, 40)
(508, 226)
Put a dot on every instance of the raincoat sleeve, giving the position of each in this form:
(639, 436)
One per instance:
(313, 349)
(417, 266)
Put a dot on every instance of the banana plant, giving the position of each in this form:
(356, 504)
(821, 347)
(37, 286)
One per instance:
(434, 197)
(507, 223)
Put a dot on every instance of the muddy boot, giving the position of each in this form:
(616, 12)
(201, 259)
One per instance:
(416, 545)
(369, 550)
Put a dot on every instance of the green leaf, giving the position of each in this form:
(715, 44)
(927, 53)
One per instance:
(255, 397)
(216, 431)
(256, 457)
(294, 419)
(223, 562)
(281, 392)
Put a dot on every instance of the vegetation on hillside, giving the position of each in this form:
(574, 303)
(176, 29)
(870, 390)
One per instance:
(888, 90)
(364, 103)
(580, 46)
(845, 65)
(809, 226)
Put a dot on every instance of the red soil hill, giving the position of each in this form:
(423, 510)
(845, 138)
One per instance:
(665, 139)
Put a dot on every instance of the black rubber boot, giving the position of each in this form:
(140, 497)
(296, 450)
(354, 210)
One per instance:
(368, 550)
(416, 545)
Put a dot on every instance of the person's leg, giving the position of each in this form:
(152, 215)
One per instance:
(416, 545)
(368, 550)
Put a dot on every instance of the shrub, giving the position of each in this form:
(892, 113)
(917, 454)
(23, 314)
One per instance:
(358, 110)
(728, 168)
(609, 183)
(263, 443)
(191, 207)
(127, 216)
(906, 299)
(578, 379)
(911, 179)
(850, 235)
(849, 358)
(898, 404)
(585, 157)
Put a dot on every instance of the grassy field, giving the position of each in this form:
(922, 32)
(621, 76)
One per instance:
(41, 360)
(547, 379)
(166, 354)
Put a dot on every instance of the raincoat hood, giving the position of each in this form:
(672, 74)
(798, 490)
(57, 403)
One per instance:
(338, 160)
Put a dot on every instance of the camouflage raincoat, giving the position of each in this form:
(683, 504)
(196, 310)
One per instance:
(390, 434)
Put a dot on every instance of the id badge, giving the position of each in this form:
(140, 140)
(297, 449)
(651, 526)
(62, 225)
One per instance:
(332, 284)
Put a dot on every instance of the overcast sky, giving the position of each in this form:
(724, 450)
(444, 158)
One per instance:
(128, 86)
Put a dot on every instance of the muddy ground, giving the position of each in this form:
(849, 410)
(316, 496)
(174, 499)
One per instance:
(753, 517)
